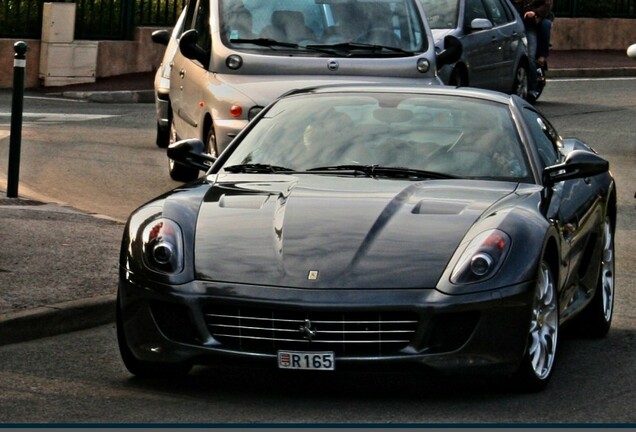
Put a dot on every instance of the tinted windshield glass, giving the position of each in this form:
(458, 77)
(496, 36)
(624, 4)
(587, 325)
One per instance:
(442, 14)
(391, 23)
(451, 135)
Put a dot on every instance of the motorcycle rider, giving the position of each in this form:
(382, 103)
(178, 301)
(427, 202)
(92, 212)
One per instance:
(537, 17)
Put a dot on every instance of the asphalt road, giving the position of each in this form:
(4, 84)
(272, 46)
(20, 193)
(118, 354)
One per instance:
(99, 158)
(79, 378)
(109, 165)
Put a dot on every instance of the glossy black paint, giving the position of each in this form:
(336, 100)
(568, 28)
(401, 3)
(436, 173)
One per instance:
(376, 244)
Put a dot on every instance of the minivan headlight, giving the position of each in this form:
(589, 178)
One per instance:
(234, 61)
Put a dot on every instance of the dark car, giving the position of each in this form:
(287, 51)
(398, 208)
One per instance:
(368, 224)
(495, 52)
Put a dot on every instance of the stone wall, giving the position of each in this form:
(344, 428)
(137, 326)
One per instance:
(593, 33)
(113, 58)
(143, 55)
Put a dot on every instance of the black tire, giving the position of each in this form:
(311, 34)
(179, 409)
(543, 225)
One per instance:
(180, 172)
(210, 143)
(163, 132)
(163, 136)
(457, 78)
(596, 319)
(520, 82)
(537, 365)
(141, 368)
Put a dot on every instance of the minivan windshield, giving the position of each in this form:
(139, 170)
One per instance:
(327, 27)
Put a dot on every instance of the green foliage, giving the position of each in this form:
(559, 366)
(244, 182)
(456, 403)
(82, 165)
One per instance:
(20, 17)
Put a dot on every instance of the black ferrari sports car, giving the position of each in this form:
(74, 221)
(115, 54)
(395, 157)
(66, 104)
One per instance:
(365, 224)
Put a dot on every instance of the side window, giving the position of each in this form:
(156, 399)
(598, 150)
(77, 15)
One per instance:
(507, 7)
(202, 25)
(474, 9)
(189, 18)
(496, 12)
(545, 136)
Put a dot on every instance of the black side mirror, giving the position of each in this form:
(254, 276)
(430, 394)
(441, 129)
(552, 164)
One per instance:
(451, 53)
(190, 49)
(161, 37)
(190, 152)
(578, 164)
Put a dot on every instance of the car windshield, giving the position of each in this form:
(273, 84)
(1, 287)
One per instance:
(442, 14)
(335, 133)
(281, 25)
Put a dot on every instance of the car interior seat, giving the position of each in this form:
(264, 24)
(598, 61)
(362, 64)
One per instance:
(288, 26)
(239, 24)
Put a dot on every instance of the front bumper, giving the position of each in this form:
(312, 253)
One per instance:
(485, 332)
(162, 108)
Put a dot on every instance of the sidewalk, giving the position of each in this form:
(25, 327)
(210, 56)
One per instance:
(58, 266)
(58, 269)
(590, 64)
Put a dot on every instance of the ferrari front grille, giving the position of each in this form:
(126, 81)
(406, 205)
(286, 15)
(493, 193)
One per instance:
(346, 333)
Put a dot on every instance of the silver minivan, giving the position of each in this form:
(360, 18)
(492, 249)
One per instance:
(236, 56)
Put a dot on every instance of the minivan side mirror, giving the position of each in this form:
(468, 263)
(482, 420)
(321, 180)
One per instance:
(451, 53)
(578, 164)
(190, 49)
(161, 37)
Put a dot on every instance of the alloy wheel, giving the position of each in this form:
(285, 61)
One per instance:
(607, 271)
(544, 324)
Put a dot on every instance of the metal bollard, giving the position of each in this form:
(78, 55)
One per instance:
(17, 100)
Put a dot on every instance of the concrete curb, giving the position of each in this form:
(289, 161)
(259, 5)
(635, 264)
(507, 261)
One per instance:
(56, 319)
(120, 96)
(615, 72)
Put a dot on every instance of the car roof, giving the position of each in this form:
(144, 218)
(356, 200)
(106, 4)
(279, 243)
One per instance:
(405, 88)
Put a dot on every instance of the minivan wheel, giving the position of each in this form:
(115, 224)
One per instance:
(164, 132)
(180, 172)
(456, 78)
(210, 143)
(163, 136)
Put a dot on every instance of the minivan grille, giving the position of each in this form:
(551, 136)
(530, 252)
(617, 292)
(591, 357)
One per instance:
(346, 333)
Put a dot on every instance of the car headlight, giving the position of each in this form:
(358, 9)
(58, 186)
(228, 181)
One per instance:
(162, 246)
(482, 258)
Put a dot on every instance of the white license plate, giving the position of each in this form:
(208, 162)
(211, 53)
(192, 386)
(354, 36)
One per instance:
(306, 360)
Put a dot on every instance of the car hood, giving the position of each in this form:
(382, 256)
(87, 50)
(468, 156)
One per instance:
(262, 89)
(321, 231)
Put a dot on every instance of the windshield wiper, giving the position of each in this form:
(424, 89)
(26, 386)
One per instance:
(350, 47)
(382, 171)
(256, 168)
(354, 169)
(266, 42)
(271, 43)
